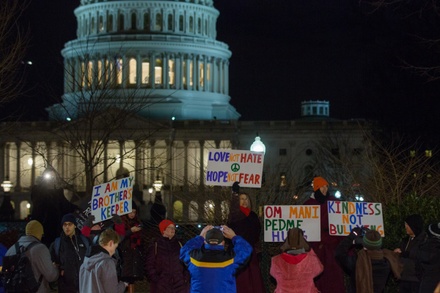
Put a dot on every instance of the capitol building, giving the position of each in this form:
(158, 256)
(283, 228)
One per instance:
(146, 93)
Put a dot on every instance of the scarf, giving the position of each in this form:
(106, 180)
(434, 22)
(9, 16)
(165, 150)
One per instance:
(245, 211)
(364, 270)
(321, 198)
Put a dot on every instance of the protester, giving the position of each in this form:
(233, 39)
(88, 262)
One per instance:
(98, 271)
(408, 250)
(369, 267)
(332, 278)
(165, 272)
(246, 223)
(428, 259)
(213, 268)
(3, 250)
(68, 252)
(131, 249)
(296, 267)
(39, 255)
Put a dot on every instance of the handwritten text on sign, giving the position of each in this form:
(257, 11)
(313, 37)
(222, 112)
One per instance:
(279, 219)
(113, 197)
(343, 216)
(227, 166)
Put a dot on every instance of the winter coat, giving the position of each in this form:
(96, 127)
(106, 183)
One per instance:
(295, 273)
(381, 268)
(164, 270)
(98, 273)
(249, 279)
(131, 254)
(70, 257)
(325, 250)
(428, 264)
(39, 256)
(212, 268)
(410, 247)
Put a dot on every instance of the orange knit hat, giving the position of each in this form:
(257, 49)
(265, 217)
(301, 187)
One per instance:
(319, 182)
(164, 224)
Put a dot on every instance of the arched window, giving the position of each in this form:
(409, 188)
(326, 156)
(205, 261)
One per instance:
(121, 25)
(170, 22)
(171, 71)
(201, 74)
(132, 71)
(158, 26)
(209, 210)
(118, 70)
(193, 211)
(145, 71)
(178, 210)
(158, 71)
(225, 210)
(101, 24)
(110, 23)
(147, 22)
(133, 21)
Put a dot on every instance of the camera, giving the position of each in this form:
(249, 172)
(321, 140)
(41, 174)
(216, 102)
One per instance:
(219, 228)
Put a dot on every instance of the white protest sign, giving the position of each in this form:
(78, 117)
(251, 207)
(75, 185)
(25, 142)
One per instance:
(343, 216)
(278, 219)
(228, 166)
(113, 197)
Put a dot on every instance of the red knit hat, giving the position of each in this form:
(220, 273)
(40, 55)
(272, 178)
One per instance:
(319, 182)
(164, 224)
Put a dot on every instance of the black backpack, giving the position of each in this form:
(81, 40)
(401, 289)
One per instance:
(17, 273)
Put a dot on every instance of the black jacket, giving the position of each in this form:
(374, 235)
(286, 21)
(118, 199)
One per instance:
(71, 255)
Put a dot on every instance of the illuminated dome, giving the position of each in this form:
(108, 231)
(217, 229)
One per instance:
(158, 58)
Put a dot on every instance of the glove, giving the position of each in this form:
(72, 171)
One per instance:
(116, 219)
(236, 187)
(89, 221)
(357, 231)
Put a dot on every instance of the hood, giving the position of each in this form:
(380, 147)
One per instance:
(293, 258)
(96, 256)
(27, 239)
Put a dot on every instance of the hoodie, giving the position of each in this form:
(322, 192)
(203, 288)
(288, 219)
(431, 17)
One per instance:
(98, 273)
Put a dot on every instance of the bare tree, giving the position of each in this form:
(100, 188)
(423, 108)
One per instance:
(13, 45)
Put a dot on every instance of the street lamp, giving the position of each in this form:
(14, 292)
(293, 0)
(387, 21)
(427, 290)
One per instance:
(157, 184)
(6, 209)
(258, 145)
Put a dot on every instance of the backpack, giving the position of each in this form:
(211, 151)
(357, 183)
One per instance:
(17, 273)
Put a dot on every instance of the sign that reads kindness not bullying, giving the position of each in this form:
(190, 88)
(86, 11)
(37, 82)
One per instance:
(228, 166)
(113, 197)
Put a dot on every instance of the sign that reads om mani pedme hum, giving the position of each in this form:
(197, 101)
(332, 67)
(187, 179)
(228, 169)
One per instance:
(113, 197)
(343, 216)
(228, 166)
(279, 219)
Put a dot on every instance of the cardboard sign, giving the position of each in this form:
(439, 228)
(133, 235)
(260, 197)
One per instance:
(228, 166)
(279, 219)
(113, 197)
(343, 216)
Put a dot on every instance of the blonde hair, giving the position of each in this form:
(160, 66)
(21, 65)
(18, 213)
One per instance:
(107, 235)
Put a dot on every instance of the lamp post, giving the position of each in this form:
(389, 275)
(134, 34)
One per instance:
(258, 145)
(6, 209)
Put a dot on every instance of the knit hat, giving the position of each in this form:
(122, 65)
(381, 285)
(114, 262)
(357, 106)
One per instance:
(415, 222)
(319, 182)
(372, 240)
(295, 241)
(68, 218)
(214, 236)
(34, 228)
(434, 229)
(164, 224)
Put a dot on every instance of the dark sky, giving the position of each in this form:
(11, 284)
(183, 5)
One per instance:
(285, 52)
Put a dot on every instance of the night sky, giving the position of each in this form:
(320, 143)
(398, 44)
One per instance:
(285, 52)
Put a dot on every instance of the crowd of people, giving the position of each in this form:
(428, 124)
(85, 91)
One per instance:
(226, 258)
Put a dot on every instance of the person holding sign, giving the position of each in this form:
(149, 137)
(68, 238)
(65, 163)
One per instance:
(246, 223)
(332, 278)
(297, 265)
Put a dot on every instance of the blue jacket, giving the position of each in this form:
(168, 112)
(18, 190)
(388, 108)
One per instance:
(212, 268)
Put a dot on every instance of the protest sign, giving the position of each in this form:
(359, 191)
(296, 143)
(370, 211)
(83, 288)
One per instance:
(343, 216)
(113, 197)
(279, 219)
(228, 166)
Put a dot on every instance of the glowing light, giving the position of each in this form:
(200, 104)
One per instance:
(258, 145)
